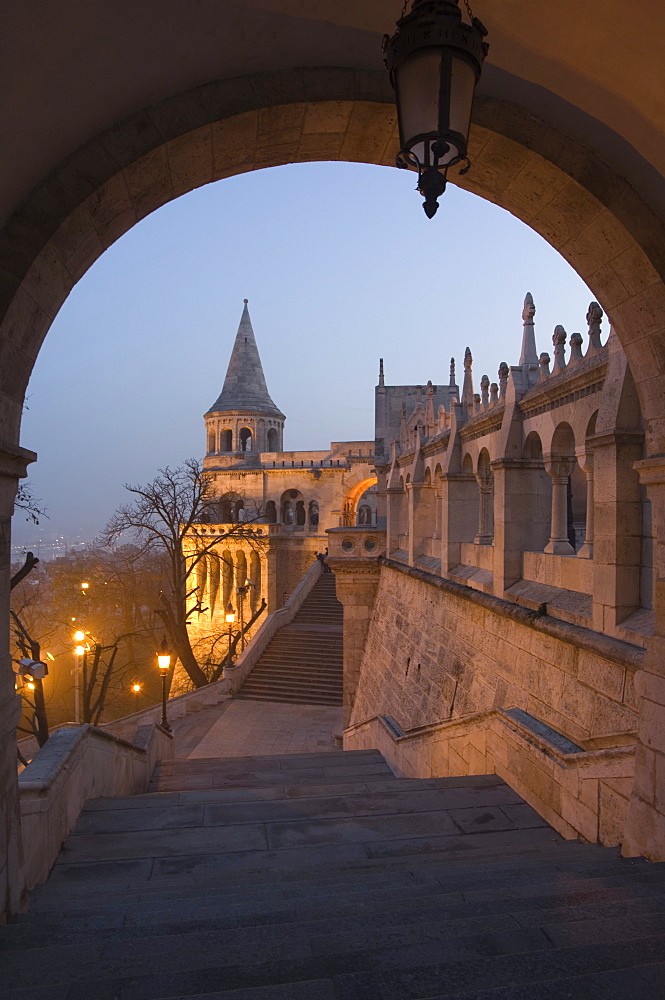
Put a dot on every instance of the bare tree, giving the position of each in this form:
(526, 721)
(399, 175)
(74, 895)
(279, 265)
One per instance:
(168, 514)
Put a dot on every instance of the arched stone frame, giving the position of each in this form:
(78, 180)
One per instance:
(273, 439)
(246, 439)
(213, 581)
(313, 515)
(226, 440)
(227, 578)
(211, 442)
(467, 527)
(560, 462)
(240, 569)
(255, 576)
(589, 212)
(485, 480)
(438, 472)
(536, 487)
(300, 514)
(271, 512)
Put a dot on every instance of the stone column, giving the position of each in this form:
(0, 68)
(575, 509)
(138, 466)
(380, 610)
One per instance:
(586, 464)
(617, 547)
(356, 583)
(559, 469)
(394, 500)
(485, 532)
(13, 464)
(509, 497)
(645, 825)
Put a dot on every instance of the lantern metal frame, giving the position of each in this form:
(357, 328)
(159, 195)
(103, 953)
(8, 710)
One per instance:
(435, 24)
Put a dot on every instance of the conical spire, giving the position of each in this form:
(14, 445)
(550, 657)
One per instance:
(245, 384)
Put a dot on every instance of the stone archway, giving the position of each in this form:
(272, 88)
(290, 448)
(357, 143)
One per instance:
(582, 207)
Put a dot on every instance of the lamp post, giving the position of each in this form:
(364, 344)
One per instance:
(241, 592)
(79, 652)
(164, 663)
(434, 60)
(230, 617)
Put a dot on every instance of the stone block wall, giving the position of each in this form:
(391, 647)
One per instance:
(436, 650)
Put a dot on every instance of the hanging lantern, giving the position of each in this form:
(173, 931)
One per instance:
(434, 60)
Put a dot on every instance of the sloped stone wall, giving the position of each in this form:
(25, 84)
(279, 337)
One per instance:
(436, 650)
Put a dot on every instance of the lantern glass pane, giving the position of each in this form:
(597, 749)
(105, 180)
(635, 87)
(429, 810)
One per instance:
(418, 81)
(462, 86)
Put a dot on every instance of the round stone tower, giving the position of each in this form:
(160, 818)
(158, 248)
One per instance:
(243, 421)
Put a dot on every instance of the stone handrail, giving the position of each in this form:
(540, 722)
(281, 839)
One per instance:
(76, 764)
(581, 793)
(237, 673)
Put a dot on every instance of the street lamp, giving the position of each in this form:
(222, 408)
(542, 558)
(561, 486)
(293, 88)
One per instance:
(164, 663)
(434, 60)
(79, 651)
(136, 688)
(230, 617)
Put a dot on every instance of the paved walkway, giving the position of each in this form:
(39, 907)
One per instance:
(254, 728)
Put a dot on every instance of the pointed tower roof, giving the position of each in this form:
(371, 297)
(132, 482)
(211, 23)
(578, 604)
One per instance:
(245, 384)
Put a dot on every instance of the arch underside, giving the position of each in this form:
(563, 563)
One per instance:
(561, 190)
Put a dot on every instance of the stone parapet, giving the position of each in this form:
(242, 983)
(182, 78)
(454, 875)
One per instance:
(76, 764)
(580, 793)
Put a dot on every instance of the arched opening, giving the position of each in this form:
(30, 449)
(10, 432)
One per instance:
(238, 511)
(211, 442)
(273, 439)
(485, 481)
(364, 514)
(255, 577)
(561, 467)
(581, 202)
(271, 512)
(537, 490)
(289, 501)
(241, 569)
(313, 514)
(245, 439)
(300, 513)
(225, 507)
(467, 508)
(226, 440)
(213, 588)
(227, 577)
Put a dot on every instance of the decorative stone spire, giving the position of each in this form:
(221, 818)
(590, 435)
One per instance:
(594, 317)
(467, 388)
(452, 373)
(503, 379)
(559, 340)
(381, 378)
(485, 391)
(544, 364)
(529, 355)
(575, 348)
(245, 388)
(494, 394)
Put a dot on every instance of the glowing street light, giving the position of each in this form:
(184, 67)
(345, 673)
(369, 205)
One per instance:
(230, 617)
(136, 688)
(164, 664)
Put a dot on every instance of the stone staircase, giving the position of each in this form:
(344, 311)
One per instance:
(323, 877)
(302, 664)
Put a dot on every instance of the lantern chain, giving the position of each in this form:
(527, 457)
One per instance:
(468, 10)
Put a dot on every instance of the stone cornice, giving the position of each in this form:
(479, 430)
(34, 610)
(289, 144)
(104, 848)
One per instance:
(486, 422)
(549, 391)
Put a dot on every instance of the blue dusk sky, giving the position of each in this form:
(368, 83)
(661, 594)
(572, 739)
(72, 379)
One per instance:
(340, 266)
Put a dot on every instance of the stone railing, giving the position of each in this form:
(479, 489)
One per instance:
(76, 764)
(581, 793)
